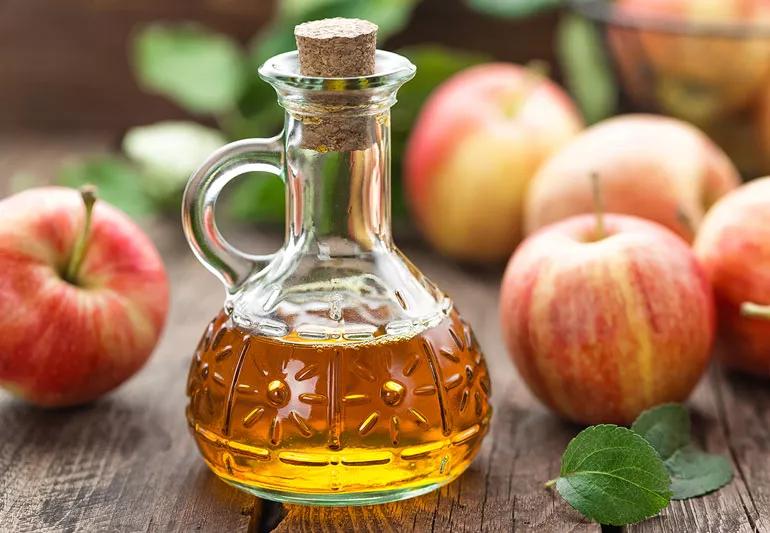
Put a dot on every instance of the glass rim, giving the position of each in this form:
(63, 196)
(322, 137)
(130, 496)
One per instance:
(603, 11)
(283, 69)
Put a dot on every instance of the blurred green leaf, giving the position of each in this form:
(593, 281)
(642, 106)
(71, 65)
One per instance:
(257, 96)
(258, 113)
(203, 71)
(434, 65)
(264, 123)
(586, 68)
(298, 9)
(258, 197)
(513, 8)
(168, 152)
(390, 15)
(117, 181)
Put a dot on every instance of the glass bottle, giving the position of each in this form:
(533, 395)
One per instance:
(336, 373)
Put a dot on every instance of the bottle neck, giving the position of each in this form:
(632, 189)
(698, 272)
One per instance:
(338, 203)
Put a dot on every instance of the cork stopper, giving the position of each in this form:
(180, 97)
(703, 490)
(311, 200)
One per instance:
(336, 47)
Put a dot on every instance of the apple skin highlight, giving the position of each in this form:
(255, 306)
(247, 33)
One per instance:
(602, 329)
(67, 343)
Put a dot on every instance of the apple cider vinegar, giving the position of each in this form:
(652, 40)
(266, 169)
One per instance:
(337, 373)
(292, 415)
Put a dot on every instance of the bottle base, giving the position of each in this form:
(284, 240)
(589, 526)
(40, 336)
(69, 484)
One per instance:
(333, 500)
(339, 423)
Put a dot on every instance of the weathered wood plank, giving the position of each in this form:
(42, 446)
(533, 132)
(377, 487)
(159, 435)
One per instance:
(730, 417)
(503, 489)
(744, 407)
(127, 462)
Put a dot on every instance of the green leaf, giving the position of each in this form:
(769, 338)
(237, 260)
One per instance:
(513, 8)
(586, 67)
(694, 473)
(389, 15)
(613, 476)
(203, 71)
(118, 183)
(666, 427)
(168, 152)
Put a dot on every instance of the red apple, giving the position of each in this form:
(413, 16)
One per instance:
(80, 309)
(733, 245)
(657, 168)
(603, 324)
(477, 142)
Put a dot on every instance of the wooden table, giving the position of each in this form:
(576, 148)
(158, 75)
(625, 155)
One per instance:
(127, 462)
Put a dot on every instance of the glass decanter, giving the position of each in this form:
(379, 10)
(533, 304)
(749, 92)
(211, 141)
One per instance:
(336, 373)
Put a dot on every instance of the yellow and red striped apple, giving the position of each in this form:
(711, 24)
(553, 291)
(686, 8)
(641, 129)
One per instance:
(653, 167)
(733, 246)
(476, 144)
(81, 304)
(602, 327)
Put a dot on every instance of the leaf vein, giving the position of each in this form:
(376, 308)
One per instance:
(597, 472)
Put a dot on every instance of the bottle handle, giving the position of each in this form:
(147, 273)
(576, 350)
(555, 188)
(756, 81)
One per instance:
(229, 264)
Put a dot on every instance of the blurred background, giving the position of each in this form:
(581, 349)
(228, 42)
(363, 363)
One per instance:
(68, 65)
(156, 86)
(136, 93)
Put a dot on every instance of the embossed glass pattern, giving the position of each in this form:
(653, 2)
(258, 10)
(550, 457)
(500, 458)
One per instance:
(336, 372)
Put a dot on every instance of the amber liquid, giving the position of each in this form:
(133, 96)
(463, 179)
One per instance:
(337, 421)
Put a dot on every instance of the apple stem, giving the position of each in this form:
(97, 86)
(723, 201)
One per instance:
(88, 194)
(752, 310)
(549, 484)
(534, 73)
(596, 186)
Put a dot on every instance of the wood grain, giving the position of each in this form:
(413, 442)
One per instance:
(503, 489)
(730, 509)
(127, 462)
